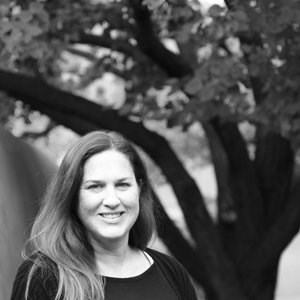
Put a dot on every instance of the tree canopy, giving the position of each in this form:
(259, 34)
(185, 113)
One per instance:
(237, 62)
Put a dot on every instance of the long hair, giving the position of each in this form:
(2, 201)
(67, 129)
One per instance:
(57, 232)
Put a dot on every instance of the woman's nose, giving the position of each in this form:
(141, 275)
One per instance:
(111, 198)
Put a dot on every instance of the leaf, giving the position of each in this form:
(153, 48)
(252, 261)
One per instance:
(217, 31)
(216, 10)
(209, 91)
(241, 16)
(239, 21)
(153, 4)
(25, 16)
(4, 7)
(193, 86)
(13, 39)
(181, 14)
(36, 8)
(33, 30)
(184, 33)
(5, 28)
(38, 53)
(41, 16)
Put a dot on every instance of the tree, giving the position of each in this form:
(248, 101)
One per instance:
(238, 63)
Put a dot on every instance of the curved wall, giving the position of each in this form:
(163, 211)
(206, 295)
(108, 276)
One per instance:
(24, 173)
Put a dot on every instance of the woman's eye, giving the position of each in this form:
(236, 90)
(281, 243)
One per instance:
(95, 187)
(123, 185)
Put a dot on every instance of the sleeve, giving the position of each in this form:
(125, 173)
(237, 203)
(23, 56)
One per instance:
(183, 278)
(42, 285)
(176, 274)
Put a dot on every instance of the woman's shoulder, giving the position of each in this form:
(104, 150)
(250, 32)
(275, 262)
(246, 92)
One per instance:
(164, 259)
(41, 271)
(168, 265)
(175, 272)
(38, 262)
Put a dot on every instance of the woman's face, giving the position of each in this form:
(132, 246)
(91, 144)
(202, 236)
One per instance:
(108, 198)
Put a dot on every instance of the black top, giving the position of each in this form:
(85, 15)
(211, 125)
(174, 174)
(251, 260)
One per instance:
(165, 279)
(150, 285)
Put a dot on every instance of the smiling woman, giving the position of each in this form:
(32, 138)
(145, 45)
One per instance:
(89, 240)
(108, 198)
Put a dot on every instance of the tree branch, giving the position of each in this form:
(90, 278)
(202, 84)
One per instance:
(149, 43)
(178, 245)
(84, 54)
(226, 210)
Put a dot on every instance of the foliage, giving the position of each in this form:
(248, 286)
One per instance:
(22, 33)
(34, 35)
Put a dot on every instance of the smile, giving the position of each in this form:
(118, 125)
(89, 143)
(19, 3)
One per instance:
(111, 215)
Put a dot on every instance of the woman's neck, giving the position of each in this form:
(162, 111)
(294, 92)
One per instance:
(120, 262)
(112, 255)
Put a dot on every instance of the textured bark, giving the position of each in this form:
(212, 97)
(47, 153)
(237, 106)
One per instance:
(247, 230)
(226, 209)
(274, 164)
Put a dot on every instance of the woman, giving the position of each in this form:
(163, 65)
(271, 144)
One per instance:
(89, 239)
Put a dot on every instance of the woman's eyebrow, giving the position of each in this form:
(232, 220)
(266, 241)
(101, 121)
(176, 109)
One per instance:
(92, 181)
(103, 181)
(124, 178)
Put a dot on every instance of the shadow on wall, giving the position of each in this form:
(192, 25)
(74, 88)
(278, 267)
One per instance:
(24, 174)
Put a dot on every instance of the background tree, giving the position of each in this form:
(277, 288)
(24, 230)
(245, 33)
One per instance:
(237, 63)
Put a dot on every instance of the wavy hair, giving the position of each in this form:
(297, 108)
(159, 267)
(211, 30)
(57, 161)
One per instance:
(58, 234)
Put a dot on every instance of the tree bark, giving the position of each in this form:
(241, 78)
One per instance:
(274, 164)
(247, 230)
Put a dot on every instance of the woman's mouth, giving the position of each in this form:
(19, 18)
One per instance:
(111, 216)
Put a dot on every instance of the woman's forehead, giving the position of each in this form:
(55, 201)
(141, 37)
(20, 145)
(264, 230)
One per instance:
(109, 163)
